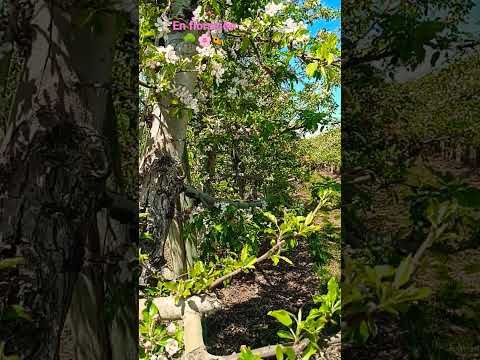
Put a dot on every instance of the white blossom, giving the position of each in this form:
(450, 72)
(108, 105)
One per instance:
(171, 329)
(207, 51)
(186, 97)
(163, 26)
(218, 71)
(169, 53)
(171, 347)
(290, 26)
(197, 14)
(223, 206)
(232, 92)
(221, 53)
(271, 9)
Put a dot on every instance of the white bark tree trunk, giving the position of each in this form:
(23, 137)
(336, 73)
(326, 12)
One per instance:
(168, 137)
(54, 164)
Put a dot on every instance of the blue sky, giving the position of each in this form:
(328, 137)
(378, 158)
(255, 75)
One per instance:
(331, 26)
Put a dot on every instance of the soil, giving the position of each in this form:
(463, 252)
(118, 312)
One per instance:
(244, 320)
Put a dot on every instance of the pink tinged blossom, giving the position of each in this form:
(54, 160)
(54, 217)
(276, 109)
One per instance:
(204, 40)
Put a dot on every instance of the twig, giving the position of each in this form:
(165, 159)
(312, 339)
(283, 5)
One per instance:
(211, 201)
(265, 256)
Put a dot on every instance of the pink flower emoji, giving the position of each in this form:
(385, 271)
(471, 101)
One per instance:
(204, 40)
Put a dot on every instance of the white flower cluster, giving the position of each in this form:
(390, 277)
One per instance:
(209, 51)
(240, 82)
(171, 347)
(171, 329)
(290, 26)
(169, 53)
(158, 357)
(197, 15)
(186, 97)
(206, 51)
(241, 77)
(232, 92)
(271, 9)
(218, 70)
(163, 26)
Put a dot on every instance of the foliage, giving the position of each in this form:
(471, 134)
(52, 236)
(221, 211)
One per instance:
(399, 34)
(156, 338)
(252, 96)
(13, 312)
(284, 235)
(429, 188)
(327, 309)
(247, 354)
(369, 291)
(249, 98)
(384, 289)
(224, 228)
(328, 191)
(323, 151)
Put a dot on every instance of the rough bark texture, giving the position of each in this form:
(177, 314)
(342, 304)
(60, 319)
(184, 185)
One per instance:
(54, 164)
(161, 168)
(159, 188)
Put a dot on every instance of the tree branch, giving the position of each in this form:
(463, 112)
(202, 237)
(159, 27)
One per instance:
(265, 256)
(210, 201)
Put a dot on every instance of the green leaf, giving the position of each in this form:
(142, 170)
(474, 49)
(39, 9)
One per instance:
(153, 310)
(287, 260)
(190, 38)
(309, 218)
(244, 253)
(11, 262)
(403, 272)
(309, 352)
(383, 271)
(330, 58)
(283, 316)
(363, 331)
(271, 217)
(275, 260)
(311, 69)
(21, 313)
(285, 335)
(290, 353)
(279, 352)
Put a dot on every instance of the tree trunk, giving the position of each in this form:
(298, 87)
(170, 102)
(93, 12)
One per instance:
(160, 191)
(53, 170)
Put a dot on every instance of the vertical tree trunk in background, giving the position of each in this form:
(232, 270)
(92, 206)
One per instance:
(210, 170)
(53, 170)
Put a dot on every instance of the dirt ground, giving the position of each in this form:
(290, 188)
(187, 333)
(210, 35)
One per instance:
(249, 298)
